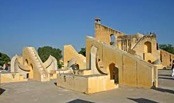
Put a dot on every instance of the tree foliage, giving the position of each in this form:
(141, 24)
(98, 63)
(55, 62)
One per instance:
(4, 58)
(46, 51)
(83, 51)
(167, 47)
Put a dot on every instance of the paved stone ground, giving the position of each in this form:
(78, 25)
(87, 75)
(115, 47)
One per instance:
(37, 92)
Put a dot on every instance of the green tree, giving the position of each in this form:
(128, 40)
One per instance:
(46, 51)
(4, 58)
(83, 51)
(167, 47)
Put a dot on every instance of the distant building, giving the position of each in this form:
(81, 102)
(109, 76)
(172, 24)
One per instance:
(142, 46)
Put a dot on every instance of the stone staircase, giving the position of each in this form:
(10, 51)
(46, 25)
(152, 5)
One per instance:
(38, 64)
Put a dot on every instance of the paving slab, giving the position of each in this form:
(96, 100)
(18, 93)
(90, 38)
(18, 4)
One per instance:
(48, 92)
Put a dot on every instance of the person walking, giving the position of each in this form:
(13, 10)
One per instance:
(172, 69)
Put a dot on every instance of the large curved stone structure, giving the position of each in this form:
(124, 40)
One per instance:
(71, 56)
(31, 66)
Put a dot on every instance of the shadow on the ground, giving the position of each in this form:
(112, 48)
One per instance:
(2, 91)
(164, 90)
(169, 78)
(142, 100)
(79, 101)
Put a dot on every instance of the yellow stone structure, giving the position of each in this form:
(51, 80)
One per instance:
(29, 66)
(113, 59)
(120, 66)
(166, 59)
(71, 56)
(117, 67)
(12, 77)
(142, 46)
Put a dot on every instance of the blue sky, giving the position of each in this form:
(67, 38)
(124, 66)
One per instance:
(58, 22)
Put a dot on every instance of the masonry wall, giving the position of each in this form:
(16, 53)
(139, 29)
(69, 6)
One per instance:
(86, 84)
(76, 83)
(11, 77)
(166, 58)
(129, 42)
(103, 33)
(132, 71)
(140, 50)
